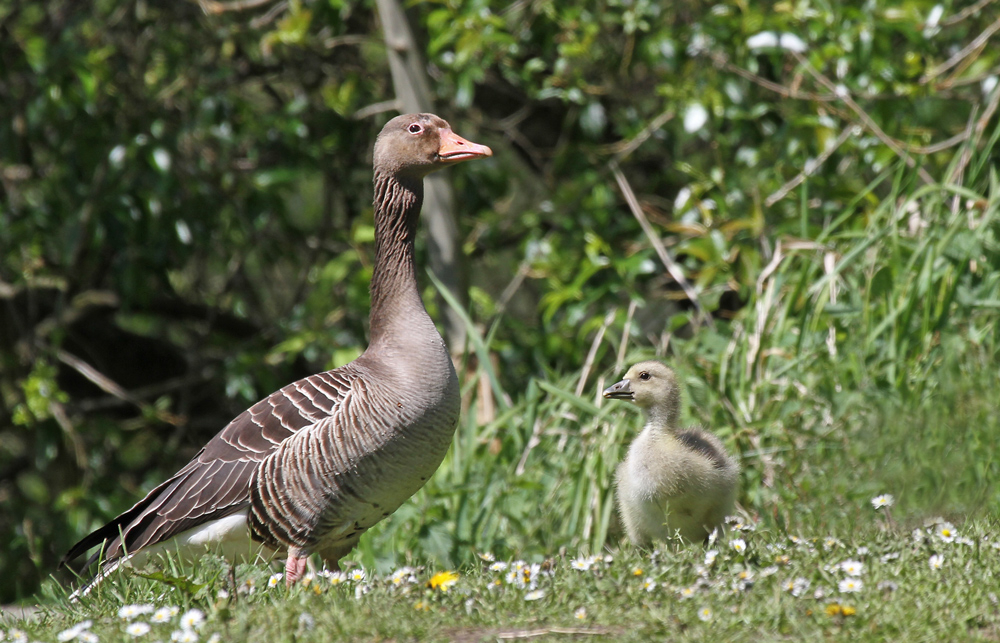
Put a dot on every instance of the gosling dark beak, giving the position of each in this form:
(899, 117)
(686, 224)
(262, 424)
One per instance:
(619, 391)
(455, 149)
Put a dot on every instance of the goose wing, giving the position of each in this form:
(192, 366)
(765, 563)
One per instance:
(216, 483)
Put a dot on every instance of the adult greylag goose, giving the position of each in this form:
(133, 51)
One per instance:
(311, 467)
(672, 480)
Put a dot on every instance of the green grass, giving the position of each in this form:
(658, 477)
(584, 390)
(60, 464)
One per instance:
(628, 595)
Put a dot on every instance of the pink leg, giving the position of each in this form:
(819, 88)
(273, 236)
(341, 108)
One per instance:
(295, 567)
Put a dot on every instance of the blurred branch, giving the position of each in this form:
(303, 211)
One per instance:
(668, 262)
(377, 108)
(788, 92)
(977, 43)
(530, 634)
(721, 61)
(592, 353)
(812, 166)
(111, 387)
(868, 121)
(623, 149)
(965, 13)
(269, 17)
(626, 331)
(975, 133)
(211, 7)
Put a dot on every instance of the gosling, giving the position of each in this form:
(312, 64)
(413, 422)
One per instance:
(672, 481)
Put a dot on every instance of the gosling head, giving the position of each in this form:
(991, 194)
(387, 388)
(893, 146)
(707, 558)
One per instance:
(653, 387)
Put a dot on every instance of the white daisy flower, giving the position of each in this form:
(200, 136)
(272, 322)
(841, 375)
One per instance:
(535, 595)
(884, 500)
(275, 579)
(192, 619)
(851, 567)
(850, 585)
(487, 557)
(87, 637)
(137, 629)
(649, 585)
(128, 612)
(498, 566)
(18, 636)
(582, 564)
(164, 614)
(739, 545)
(893, 555)
(687, 592)
(797, 587)
(580, 613)
(336, 578)
(404, 575)
(710, 556)
(863, 551)
(945, 531)
(705, 614)
(69, 634)
(936, 561)
(215, 638)
(357, 575)
(184, 636)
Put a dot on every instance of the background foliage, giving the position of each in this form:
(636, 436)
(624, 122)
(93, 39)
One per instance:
(185, 226)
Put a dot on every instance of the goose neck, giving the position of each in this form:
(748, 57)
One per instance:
(663, 418)
(396, 308)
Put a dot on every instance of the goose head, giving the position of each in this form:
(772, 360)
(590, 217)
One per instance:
(418, 144)
(653, 387)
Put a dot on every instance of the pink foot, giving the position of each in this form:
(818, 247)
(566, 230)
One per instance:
(295, 567)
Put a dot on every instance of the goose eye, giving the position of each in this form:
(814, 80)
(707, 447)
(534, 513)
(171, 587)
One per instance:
(644, 376)
(414, 129)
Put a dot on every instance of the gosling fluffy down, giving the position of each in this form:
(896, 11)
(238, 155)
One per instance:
(672, 481)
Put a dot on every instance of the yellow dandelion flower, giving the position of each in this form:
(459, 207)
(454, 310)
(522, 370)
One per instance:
(421, 606)
(833, 609)
(637, 572)
(443, 580)
(847, 610)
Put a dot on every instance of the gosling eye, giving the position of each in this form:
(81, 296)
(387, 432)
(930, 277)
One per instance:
(644, 376)
(415, 128)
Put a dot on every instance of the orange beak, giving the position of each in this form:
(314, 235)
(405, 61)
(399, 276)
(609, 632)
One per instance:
(455, 149)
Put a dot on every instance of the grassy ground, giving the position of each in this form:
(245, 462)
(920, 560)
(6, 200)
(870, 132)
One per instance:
(874, 582)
